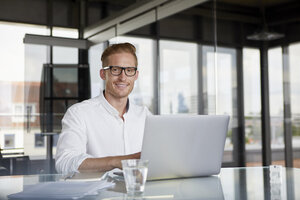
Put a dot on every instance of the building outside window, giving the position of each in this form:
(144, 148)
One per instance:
(276, 103)
(252, 105)
(9, 140)
(178, 77)
(39, 140)
(294, 60)
(18, 110)
(12, 84)
(97, 84)
(219, 89)
(20, 80)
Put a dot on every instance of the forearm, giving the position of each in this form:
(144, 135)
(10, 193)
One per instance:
(97, 164)
(106, 163)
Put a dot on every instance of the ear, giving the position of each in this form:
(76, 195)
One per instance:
(102, 74)
(136, 75)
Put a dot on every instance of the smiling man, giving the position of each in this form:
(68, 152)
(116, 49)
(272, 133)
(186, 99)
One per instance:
(100, 132)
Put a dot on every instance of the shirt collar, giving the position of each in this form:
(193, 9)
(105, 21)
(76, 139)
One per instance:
(109, 107)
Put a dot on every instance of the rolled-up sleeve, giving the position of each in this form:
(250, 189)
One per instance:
(71, 146)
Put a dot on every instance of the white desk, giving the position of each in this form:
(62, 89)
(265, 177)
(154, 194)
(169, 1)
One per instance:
(232, 183)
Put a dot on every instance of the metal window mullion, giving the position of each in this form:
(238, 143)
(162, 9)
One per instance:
(49, 126)
(240, 178)
(265, 107)
(49, 120)
(240, 145)
(156, 72)
(200, 80)
(288, 150)
(83, 75)
(204, 80)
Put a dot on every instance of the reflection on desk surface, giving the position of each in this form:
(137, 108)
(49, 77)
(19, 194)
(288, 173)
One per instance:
(14, 184)
(190, 188)
(232, 183)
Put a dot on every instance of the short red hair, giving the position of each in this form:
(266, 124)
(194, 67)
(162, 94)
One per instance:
(118, 48)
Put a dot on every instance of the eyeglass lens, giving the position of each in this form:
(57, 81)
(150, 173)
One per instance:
(129, 71)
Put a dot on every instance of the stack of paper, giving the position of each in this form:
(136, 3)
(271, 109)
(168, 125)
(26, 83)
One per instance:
(86, 176)
(61, 190)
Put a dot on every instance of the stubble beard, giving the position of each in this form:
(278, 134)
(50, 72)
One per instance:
(113, 91)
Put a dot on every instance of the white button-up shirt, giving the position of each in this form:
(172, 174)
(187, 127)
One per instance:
(93, 128)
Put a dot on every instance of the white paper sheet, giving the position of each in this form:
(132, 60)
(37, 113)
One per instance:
(61, 190)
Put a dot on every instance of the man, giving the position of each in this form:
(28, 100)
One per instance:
(100, 132)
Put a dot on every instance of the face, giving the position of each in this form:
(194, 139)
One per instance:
(119, 86)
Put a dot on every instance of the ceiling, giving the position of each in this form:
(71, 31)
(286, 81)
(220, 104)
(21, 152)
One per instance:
(66, 14)
(240, 16)
(252, 3)
(256, 3)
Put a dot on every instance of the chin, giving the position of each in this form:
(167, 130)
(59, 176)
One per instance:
(122, 94)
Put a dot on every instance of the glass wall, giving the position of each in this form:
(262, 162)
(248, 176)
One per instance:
(34, 142)
(65, 32)
(220, 88)
(252, 105)
(97, 84)
(294, 61)
(178, 64)
(276, 104)
(178, 77)
(14, 114)
(21, 68)
(52, 90)
(65, 55)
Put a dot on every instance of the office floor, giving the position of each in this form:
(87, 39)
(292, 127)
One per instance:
(277, 162)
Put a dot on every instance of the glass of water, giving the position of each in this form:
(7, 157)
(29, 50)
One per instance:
(135, 174)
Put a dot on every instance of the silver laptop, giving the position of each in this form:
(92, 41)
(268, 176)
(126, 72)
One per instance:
(180, 146)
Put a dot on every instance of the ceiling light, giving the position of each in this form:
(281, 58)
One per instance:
(265, 36)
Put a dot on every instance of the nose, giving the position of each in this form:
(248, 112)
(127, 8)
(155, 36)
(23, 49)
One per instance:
(122, 76)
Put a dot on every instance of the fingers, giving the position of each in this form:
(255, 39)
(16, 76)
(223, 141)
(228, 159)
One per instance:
(134, 156)
(131, 156)
(137, 155)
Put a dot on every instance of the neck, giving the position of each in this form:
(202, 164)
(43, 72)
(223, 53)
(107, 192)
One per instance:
(118, 103)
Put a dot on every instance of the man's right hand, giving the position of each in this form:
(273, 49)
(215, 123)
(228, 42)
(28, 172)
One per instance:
(117, 161)
(106, 163)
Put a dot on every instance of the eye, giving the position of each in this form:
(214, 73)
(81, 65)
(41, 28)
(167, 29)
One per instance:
(115, 69)
(129, 70)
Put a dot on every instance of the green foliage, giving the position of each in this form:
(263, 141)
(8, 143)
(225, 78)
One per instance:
(229, 133)
(295, 130)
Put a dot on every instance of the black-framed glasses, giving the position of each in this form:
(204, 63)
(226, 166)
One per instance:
(117, 70)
